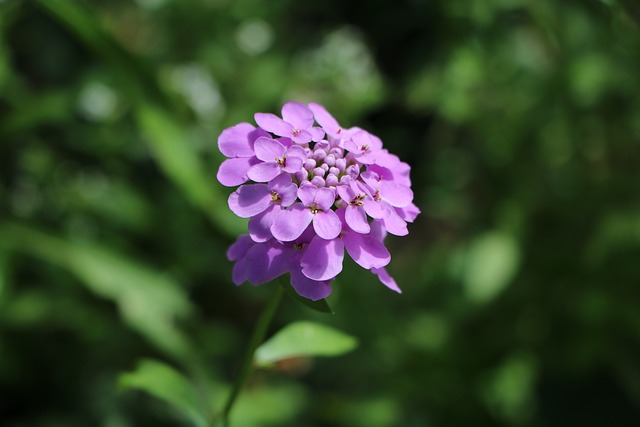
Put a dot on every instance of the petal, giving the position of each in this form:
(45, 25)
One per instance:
(307, 193)
(239, 272)
(409, 213)
(292, 165)
(325, 119)
(301, 137)
(311, 289)
(250, 200)
(345, 193)
(394, 224)
(325, 198)
(263, 172)
(386, 279)
(236, 142)
(268, 149)
(366, 251)
(375, 209)
(297, 151)
(327, 224)
(260, 225)
(290, 223)
(396, 195)
(233, 172)
(239, 248)
(299, 115)
(357, 219)
(273, 124)
(322, 259)
(265, 262)
(316, 134)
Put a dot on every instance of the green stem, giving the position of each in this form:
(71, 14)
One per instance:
(256, 339)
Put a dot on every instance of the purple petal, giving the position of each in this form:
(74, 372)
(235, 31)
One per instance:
(408, 213)
(250, 200)
(366, 251)
(311, 289)
(375, 209)
(298, 115)
(239, 272)
(386, 279)
(274, 124)
(302, 137)
(356, 218)
(396, 195)
(316, 133)
(264, 172)
(345, 193)
(268, 149)
(280, 182)
(265, 262)
(260, 225)
(239, 248)
(297, 151)
(325, 198)
(288, 195)
(327, 224)
(236, 141)
(289, 224)
(371, 178)
(394, 223)
(233, 172)
(307, 194)
(322, 259)
(325, 119)
(292, 165)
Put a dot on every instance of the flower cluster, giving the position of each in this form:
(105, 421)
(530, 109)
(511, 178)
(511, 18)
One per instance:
(316, 191)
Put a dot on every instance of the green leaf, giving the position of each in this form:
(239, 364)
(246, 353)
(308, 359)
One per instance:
(169, 385)
(304, 339)
(320, 305)
(149, 301)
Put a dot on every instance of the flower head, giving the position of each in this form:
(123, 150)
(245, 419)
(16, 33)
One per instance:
(316, 191)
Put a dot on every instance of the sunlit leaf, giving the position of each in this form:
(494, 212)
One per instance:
(304, 339)
(169, 385)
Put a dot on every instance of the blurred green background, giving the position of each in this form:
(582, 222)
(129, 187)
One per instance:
(521, 279)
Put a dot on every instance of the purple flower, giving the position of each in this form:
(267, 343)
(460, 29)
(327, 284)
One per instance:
(312, 199)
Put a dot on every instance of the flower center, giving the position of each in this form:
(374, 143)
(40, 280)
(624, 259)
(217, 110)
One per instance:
(357, 201)
(275, 197)
(314, 208)
(296, 132)
(281, 161)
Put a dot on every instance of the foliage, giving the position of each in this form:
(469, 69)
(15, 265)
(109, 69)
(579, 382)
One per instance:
(520, 285)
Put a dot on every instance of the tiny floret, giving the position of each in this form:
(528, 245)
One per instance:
(312, 190)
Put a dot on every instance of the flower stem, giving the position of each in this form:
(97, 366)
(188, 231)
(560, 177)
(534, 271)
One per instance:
(256, 339)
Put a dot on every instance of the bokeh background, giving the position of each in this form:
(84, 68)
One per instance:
(521, 278)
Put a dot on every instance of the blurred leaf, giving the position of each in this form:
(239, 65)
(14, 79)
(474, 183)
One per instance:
(169, 385)
(149, 301)
(50, 107)
(320, 305)
(269, 405)
(304, 339)
(169, 143)
(491, 263)
(3, 276)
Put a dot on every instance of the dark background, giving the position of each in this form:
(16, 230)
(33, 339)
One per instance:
(520, 119)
